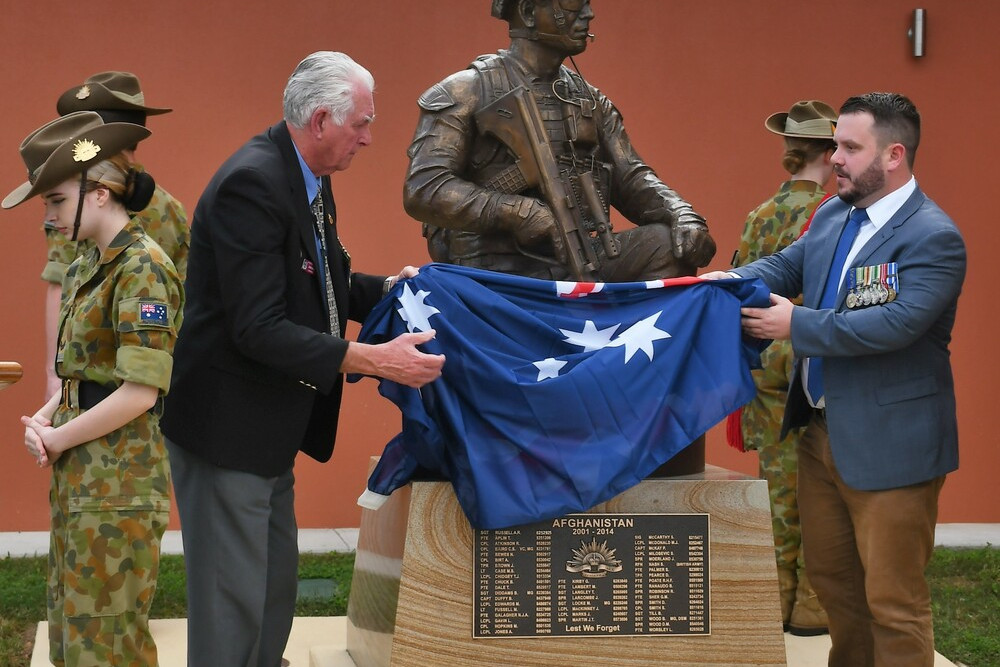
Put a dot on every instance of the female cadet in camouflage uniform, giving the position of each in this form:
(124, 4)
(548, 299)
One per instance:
(121, 310)
(116, 97)
(808, 131)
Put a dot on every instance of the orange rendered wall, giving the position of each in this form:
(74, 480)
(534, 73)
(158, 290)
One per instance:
(694, 79)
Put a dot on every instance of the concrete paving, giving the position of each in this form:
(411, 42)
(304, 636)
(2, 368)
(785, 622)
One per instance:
(320, 642)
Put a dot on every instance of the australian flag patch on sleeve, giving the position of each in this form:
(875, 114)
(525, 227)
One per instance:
(153, 313)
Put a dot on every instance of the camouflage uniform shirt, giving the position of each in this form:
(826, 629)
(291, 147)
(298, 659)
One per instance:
(163, 219)
(770, 227)
(110, 496)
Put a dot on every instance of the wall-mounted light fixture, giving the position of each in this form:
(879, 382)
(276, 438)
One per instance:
(916, 32)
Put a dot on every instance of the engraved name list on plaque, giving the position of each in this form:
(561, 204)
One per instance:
(593, 575)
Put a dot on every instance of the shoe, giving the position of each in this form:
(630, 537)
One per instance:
(787, 584)
(808, 618)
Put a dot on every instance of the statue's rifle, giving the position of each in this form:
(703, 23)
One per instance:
(515, 120)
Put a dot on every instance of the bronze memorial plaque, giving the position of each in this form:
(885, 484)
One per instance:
(593, 574)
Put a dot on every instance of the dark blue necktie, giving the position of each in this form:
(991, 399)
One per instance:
(829, 299)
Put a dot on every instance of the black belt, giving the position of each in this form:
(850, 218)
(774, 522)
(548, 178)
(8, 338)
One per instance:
(88, 394)
(92, 393)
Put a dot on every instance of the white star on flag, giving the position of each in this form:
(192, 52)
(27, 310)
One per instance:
(548, 368)
(591, 338)
(640, 336)
(414, 311)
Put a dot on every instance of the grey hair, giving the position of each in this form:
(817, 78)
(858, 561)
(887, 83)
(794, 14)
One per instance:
(324, 80)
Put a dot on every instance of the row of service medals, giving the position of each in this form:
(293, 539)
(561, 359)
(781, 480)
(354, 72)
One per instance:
(872, 285)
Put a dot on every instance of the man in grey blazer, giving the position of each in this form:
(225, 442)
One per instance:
(259, 367)
(880, 272)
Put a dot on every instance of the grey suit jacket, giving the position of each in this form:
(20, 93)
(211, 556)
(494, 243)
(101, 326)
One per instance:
(890, 396)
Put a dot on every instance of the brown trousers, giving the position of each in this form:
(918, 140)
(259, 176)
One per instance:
(867, 554)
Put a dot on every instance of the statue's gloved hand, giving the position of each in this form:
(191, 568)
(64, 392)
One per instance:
(537, 227)
(692, 243)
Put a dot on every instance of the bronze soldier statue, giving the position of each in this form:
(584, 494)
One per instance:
(517, 159)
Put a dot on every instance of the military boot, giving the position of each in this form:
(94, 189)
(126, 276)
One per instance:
(787, 584)
(808, 618)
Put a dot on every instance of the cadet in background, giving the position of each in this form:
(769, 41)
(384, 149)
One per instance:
(807, 130)
(116, 97)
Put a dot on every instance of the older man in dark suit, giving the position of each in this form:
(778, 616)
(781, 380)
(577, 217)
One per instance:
(880, 271)
(259, 367)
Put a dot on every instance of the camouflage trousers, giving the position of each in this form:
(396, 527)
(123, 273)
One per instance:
(779, 462)
(779, 465)
(104, 558)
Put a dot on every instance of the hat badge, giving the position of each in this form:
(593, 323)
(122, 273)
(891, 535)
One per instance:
(83, 93)
(84, 150)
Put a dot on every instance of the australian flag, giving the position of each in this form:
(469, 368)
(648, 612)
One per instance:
(153, 313)
(557, 396)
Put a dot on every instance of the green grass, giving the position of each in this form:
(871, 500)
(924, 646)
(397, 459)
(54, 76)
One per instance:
(22, 597)
(965, 590)
(22, 605)
(965, 597)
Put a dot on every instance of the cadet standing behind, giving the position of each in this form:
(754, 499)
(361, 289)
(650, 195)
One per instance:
(807, 129)
(110, 489)
(260, 365)
(118, 98)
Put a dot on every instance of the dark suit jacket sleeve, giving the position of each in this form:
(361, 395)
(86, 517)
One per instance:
(366, 291)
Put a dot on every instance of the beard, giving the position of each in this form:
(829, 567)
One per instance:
(871, 180)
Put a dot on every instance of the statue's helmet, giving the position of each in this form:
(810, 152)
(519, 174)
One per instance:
(500, 7)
